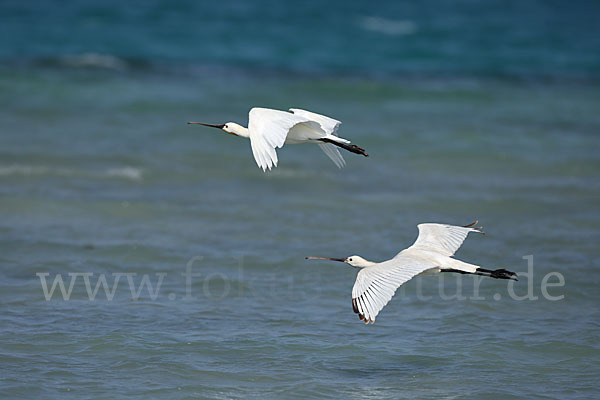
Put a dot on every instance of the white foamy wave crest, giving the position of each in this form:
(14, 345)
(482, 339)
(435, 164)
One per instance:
(126, 172)
(16, 169)
(389, 26)
(130, 173)
(94, 60)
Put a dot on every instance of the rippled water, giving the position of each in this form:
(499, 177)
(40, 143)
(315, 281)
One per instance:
(101, 177)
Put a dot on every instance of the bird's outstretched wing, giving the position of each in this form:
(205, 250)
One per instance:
(268, 131)
(442, 239)
(330, 126)
(333, 153)
(375, 285)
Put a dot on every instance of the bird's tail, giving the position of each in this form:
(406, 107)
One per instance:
(336, 139)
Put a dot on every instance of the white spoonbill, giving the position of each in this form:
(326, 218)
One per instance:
(432, 252)
(269, 129)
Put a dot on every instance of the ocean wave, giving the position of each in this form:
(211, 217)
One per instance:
(27, 170)
(388, 26)
(93, 60)
(126, 172)
(130, 173)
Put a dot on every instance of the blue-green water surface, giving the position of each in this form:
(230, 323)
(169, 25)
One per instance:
(469, 110)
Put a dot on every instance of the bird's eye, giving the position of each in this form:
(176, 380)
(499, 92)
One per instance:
(350, 259)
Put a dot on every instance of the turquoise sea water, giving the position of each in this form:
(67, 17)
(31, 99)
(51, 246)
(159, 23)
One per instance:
(468, 111)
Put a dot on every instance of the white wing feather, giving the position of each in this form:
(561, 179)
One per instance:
(268, 131)
(440, 238)
(376, 285)
(329, 125)
(332, 152)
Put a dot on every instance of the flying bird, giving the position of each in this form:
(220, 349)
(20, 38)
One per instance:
(270, 129)
(432, 252)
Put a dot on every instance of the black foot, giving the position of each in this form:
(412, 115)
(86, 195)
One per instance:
(498, 273)
(503, 274)
(358, 150)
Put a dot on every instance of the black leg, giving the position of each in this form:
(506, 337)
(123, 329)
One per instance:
(350, 147)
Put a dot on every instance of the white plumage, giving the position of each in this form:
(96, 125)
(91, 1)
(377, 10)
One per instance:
(270, 129)
(432, 252)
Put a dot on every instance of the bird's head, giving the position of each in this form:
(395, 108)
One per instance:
(230, 127)
(354, 261)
